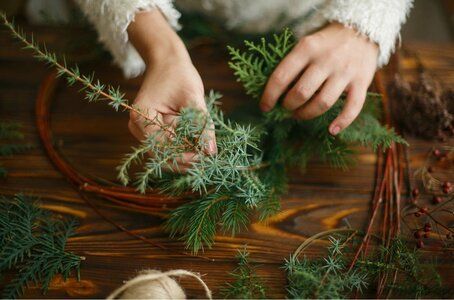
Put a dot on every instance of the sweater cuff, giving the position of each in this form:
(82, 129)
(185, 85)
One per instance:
(380, 20)
(112, 18)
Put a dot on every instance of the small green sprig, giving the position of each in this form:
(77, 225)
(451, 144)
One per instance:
(32, 244)
(330, 277)
(10, 133)
(246, 284)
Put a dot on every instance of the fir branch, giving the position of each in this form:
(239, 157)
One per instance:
(247, 284)
(32, 243)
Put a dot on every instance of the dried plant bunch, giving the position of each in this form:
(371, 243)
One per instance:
(248, 174)
(425, 109)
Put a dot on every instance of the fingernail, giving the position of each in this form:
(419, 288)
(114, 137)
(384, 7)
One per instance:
(335, 130)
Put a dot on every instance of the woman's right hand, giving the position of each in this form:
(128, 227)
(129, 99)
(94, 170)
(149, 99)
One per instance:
(171, 82)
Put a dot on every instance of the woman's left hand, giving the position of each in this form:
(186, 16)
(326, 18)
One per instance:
(321, 67)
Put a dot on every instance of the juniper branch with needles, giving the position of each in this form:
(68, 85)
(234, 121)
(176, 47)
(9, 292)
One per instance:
(330, 278)
(9, 134)
(247, 284)
(248, 172)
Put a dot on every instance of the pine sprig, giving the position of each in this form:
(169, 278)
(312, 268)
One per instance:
(32, 243)
(247, 284)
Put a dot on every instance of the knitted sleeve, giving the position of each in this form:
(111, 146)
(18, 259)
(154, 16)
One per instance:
(380, 20)
(111, 19)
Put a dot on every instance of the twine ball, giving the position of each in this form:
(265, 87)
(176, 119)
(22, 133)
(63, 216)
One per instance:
(153, 284)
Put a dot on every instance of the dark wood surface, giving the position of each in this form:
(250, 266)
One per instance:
(94, 138)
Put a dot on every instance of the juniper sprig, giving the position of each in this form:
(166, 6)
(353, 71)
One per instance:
(329, 277)
(247, 284)
(248, 173)
(32, 244)
(10, 133)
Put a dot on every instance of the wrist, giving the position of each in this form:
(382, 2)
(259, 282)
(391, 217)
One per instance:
(154, 39)
(170, 49)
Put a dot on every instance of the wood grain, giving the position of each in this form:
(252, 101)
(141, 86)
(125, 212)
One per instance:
(94, 138)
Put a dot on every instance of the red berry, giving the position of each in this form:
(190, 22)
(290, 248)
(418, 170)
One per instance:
(417, 234)
(423, 210)
(427, 228)
(430, 169)
(417, 214)
(420, 244)
(437, 199)
(446, 190)
(415, 192)
(446, 184)
(436, 152)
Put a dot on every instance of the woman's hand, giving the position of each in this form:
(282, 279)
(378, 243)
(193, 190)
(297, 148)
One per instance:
(319, 69)
(171, 82)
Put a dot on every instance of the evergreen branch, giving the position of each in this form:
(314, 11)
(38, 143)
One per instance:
(10, 130)
(10, 149)
(339, 282)
(247, 284)
(32, 242)
(94, 91)
(3, 172)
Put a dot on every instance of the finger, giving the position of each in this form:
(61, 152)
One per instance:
(322, 102)
(305, 88)
(209, 136)
(148, 125)
(135, 131)
(281, 78)
(182, 163)
(353, 105)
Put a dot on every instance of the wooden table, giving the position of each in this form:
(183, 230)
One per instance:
(94, 138)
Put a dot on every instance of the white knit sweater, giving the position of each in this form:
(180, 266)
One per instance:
(380, 20)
